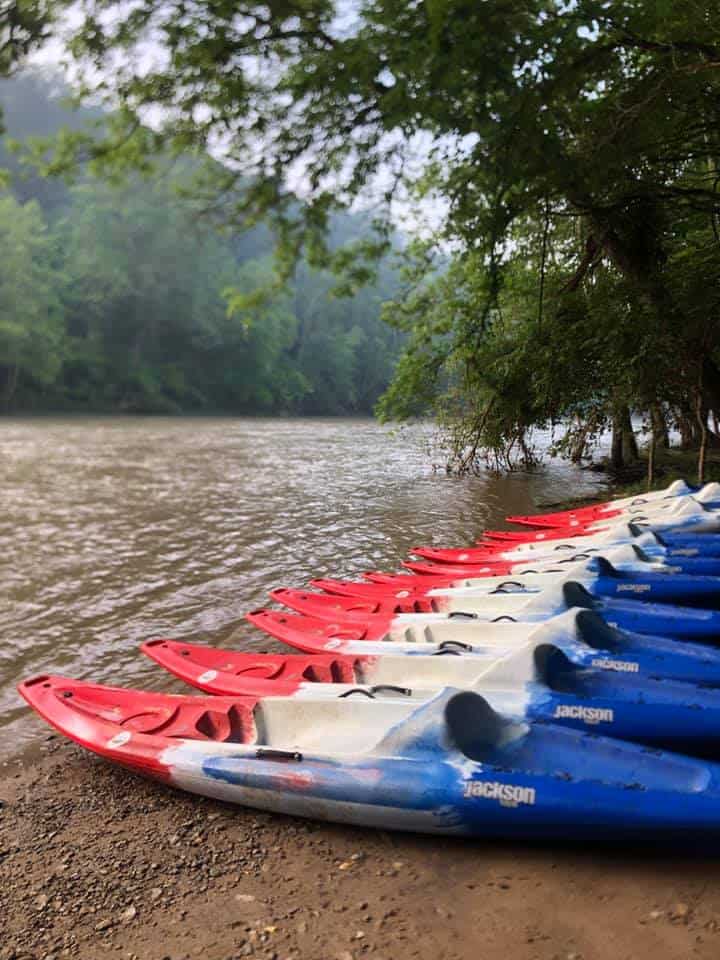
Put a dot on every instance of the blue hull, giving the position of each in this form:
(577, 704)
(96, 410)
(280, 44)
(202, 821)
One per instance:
(683, 717)
(707, 545)
(455, 767)
(654, 587)
(695, 566)
(661, 620)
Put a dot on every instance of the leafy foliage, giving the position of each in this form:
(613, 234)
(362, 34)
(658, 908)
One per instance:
(574, 148)
(125, 297)
(30, 318)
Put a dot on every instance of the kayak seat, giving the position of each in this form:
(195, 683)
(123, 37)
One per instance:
(576, 595)
(337, 671)
(476, 729)
(606, 569)
(419, 606)
(233, 724)
(593, 631)
(556, 671)
(640, 554)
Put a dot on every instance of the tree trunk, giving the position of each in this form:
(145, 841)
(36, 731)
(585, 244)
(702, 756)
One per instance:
(651, 460)
(9, 385)
(630, 447)
(703, 432)
(710, 383)
(624, 448)
(617, 461)
(629, 440)
(660, 434)
(685, 426)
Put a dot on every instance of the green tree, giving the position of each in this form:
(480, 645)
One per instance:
(31, 334)
(586, 133)
(157, 310)
(24, 25)
(143, 297)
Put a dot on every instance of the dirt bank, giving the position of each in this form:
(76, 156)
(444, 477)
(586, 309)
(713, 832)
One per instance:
(96, 863)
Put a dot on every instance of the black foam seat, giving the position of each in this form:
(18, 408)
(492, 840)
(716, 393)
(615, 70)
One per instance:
(575, 595)
(593, 631)
(477, 730)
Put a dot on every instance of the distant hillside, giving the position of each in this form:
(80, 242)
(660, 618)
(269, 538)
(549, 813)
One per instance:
(115, 298)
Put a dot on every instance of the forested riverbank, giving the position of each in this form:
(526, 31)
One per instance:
(126, 296)
(562, 161)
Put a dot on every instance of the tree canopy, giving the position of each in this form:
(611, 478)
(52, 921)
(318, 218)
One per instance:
(124, 296)
(573, 146)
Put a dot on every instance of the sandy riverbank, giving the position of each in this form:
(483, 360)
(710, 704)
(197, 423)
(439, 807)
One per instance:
(96, 863)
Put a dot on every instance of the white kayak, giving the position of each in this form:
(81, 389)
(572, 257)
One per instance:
(450, 765)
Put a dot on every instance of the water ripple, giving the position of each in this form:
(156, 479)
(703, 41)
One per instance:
(115, 530)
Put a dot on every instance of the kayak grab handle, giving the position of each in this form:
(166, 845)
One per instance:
(578, 556)
(504, 617)
(502, 587)
(462, 615)
(448, 646)
(563, 546)
(379, 688)
(390, 688)
(269, 753)
(639, 500)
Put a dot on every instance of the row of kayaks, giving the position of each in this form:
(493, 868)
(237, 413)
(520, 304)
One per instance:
(563, 686)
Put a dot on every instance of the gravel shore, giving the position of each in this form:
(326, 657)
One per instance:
(97, 863)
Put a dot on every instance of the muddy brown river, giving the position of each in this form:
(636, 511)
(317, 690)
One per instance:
(114, 530)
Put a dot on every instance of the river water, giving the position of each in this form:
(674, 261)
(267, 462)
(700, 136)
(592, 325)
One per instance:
(114, 530)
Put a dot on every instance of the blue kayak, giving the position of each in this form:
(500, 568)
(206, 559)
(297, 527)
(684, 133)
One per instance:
(450, 766)
(665, 587)
(696, 564)
(684, 717)
(696, 519)
(677, 545)
(538, 681)
(603, 579)
(635, 616)
(632, 654)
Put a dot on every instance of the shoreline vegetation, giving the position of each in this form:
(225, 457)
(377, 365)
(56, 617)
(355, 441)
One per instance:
(671, 464)
(129, 297)
(560, 164)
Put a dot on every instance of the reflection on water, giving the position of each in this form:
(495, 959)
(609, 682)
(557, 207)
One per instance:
(115, 530)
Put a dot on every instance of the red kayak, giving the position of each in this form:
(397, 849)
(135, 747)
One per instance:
(227, 672)
(478, 556)
(564, 519)
(500, 539)
(487, 561)
(379, 601)
(450, 571)
(318, 636)
(377, 591)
